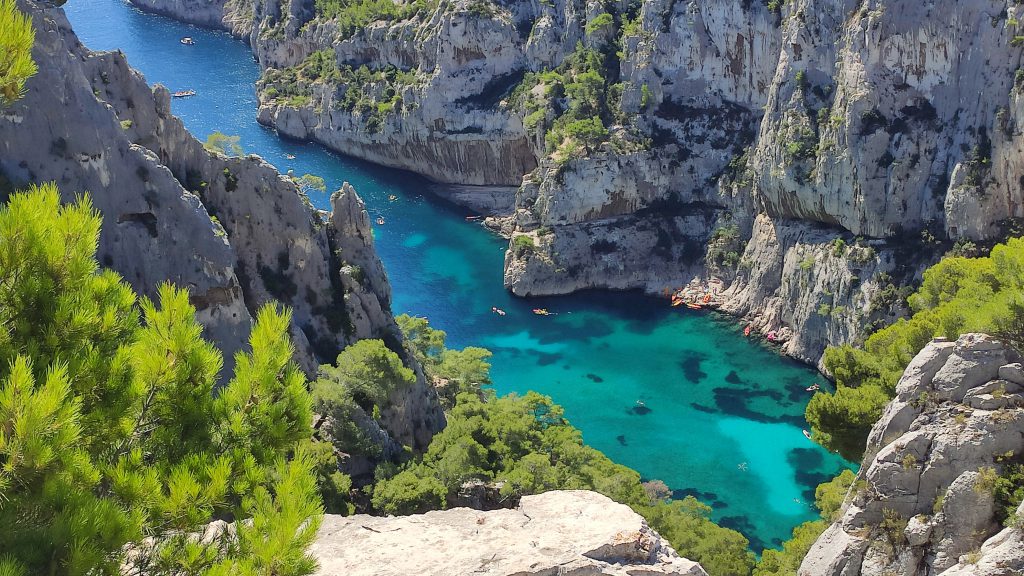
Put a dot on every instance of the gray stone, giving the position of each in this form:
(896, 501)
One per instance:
(570, 532)
(926, 470)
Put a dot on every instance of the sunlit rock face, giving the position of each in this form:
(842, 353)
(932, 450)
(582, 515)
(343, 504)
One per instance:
(560, 532)
(923, 499)
(746, 144)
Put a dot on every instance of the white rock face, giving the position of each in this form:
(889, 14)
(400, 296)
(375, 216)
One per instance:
(233, 231)
(920, 504)
(826, 120)
(562, 532)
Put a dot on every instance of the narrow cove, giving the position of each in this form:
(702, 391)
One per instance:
(720, 418)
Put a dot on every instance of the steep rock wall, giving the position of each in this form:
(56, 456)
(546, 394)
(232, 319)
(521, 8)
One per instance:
(923, 501)
(858, 121)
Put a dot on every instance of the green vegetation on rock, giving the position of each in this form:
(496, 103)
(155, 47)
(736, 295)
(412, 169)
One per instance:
(370, 93)
(958, 295)
(16, 64)
(115, 444)
(353, 15)
(223, 144)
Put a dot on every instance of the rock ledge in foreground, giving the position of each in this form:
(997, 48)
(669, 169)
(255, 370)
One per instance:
(563, 532)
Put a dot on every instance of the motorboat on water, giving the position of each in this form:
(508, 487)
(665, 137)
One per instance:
(188, 41)
(184, 93)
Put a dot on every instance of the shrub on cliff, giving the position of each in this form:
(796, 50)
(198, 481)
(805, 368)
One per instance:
(223, 144)
(958, 295)
(110, 427)
(16, 64)
(353, 15)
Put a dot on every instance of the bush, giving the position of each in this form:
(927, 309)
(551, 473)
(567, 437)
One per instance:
(523, 244)
(223, 144)
(600, 22)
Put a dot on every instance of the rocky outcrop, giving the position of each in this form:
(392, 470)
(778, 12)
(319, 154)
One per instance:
(234, 16)
(233, 231)
(923, 501)
(571, 532)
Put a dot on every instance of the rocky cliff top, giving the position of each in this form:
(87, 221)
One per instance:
(562, 532)
(924, 501)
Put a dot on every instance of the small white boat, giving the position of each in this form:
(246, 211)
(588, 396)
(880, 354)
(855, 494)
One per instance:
(184, 93)
(188, 41)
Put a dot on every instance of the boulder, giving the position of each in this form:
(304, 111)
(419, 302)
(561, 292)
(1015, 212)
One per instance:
(561, 532)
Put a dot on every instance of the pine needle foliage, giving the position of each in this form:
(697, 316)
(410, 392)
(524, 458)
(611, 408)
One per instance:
(16, 64)
(116, 450)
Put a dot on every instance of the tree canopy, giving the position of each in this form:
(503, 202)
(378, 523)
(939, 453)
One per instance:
(16, 39)
(111, 431)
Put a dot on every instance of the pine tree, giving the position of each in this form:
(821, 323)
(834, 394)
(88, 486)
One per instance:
(111, 430)
(16, 39)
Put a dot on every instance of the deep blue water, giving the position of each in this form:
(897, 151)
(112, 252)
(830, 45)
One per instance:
(725, 413)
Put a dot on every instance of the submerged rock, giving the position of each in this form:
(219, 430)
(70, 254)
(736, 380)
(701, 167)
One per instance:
(562, 532)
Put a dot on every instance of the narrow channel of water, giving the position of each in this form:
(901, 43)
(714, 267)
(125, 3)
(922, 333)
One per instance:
(724, 415)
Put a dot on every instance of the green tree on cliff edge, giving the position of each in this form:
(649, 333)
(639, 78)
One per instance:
(115, 451)
(16, 39)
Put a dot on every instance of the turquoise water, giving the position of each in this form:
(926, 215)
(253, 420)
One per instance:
(724, 415)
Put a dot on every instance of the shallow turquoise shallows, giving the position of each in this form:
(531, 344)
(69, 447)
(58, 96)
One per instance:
(720, 418)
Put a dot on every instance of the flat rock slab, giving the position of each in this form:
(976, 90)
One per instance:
(562, 532)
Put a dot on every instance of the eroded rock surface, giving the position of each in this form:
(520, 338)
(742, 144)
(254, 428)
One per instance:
(802, 125)
(923, 500)
(562, 532)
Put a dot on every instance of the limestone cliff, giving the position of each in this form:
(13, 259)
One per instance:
(571, 532)
(233, 231)
(807, 158)
(923, 501)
